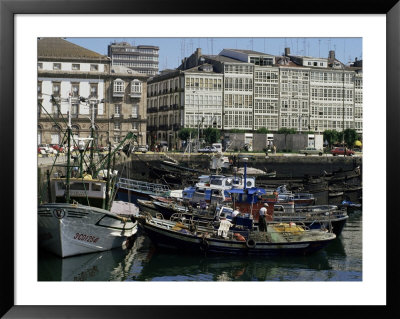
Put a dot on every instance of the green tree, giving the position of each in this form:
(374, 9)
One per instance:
(331, 136)
(350, 136)
(339, 137)
(237, 131)
(262, 130)
(184, 133)
(286, 131)
(211, 135)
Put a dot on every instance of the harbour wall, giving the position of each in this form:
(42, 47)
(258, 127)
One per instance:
(138, 165)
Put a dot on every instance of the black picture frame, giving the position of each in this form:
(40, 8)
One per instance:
(8, 10)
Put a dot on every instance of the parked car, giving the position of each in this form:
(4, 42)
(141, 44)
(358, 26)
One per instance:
(142, 148)
(207, 149)
(311, 150)
(341, 150)
(57, 147)
(218, 146)
(45, 147)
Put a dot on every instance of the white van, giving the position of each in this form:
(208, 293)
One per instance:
(218, 146)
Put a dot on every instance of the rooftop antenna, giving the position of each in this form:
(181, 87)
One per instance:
(319, 48)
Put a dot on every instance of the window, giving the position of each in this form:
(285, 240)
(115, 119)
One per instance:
(39, 88)
(93, 90)
(94, 67)
(117, 109)
(56, 66)
(75, 89)
(118, 87)
(76, 67)
(136, 87)
(56, 89)
(135, 111)
(117, 126)
(40, 66)
(75, 110)
(135, 126)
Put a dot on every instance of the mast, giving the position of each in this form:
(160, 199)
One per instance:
(92, 143)
(105, 203)
(69, 128)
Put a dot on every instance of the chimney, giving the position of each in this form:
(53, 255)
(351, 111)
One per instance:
(287, 51)
(332, 55)
(198, 52)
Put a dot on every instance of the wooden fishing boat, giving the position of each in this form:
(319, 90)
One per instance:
(279, 239)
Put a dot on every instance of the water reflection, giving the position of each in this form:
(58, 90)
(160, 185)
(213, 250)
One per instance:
(111, 265)
(174, 267)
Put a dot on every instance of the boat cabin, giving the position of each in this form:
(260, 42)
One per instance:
(81, 191)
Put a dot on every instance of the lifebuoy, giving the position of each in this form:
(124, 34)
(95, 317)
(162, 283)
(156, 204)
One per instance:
(250, 243)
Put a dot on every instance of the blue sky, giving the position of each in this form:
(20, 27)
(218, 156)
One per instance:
(172, 50)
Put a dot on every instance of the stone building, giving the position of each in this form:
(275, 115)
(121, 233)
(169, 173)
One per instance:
(73, 78)
(164, 108)
(126, 94)
(198, 89)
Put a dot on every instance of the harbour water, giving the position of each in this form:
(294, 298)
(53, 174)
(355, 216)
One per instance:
(340, 261)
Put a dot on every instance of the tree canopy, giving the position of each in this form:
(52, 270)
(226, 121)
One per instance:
(212, 135)
(184, 133)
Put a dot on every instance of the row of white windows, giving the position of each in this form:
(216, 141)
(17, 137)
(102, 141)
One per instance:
(75, 67)
(266, 121)
(294, 73)
(144, 51)
(332, 77)
(322, 125)
(331, 93)
(204, 119)
(135, 57)
(119, 86)
(238, 69)
(199, 99)
(203, 83)
(238, 84)
(56, 89)
(301, 88)
(236, 100)
(163, 101)
(330, 111)
(154, 88)
(266, 76)
(137, 65)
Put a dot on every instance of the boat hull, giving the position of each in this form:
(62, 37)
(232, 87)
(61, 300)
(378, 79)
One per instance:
(168, 239)
(68, 229)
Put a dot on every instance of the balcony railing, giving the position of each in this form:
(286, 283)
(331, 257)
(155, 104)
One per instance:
(164, 108)
(152, 109)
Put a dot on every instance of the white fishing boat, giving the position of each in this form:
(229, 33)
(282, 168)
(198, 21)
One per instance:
(80, 215)
(74, 229)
